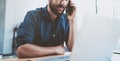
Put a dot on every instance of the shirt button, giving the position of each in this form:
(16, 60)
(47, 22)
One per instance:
(53, 35)
(54, 24)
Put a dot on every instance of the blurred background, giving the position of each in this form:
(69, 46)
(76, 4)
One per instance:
(12, 13)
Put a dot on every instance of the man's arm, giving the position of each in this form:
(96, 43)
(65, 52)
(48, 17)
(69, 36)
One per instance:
(71, 18)
(71, 36)
(30, 50)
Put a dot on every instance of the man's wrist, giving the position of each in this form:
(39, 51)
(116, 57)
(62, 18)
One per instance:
(71, 22)
(59, 50)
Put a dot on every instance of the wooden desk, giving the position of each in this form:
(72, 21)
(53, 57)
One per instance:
(34, 59)
(30, 59)
(115, 57)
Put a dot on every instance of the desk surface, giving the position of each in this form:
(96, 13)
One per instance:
(34, 59)
(30, 59)
(115, 57)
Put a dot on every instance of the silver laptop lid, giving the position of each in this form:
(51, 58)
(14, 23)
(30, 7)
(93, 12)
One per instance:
(96, 39)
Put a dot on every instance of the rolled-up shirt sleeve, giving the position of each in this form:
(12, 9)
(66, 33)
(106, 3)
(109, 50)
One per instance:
(26, 30)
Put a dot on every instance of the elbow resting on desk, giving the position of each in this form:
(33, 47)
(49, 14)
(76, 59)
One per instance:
(31, 50)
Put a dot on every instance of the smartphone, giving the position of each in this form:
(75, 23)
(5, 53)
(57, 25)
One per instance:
(69, 9)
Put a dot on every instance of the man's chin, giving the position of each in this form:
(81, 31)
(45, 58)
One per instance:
(60, 13)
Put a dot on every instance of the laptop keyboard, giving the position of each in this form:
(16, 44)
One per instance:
(62, 58)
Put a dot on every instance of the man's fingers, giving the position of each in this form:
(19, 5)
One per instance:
(73, 8)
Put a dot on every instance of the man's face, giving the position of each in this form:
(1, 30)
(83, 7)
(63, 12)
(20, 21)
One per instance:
(58, 6)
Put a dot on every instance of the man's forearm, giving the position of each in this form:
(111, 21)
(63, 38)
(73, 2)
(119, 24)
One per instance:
(71, 18)
(71, 35)
(30, 50)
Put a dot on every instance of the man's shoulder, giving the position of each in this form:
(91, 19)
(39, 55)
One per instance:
(37, 11)
(34, 15)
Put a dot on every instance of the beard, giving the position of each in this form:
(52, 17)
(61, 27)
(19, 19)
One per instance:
(54, 9)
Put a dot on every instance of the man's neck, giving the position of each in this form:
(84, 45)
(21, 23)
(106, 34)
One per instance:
(53, 16)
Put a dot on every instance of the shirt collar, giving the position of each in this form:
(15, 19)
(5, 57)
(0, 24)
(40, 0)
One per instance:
(45, 13)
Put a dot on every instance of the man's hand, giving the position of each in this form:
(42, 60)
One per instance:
(71, 11)
(60, 50)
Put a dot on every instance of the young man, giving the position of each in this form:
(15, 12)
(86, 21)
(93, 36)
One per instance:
(44, 30)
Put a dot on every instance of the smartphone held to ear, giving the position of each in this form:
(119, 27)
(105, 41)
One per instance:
(69, 9)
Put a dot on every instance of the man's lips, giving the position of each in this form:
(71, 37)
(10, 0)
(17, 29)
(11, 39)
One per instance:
(60, 8)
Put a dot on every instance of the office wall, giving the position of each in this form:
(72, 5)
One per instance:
(2, 19)
(117, 16)
(15, 12)
(83, 7)
(105, 8)
(117, 9)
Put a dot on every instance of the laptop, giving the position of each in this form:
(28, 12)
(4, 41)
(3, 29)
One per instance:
(95, 41)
